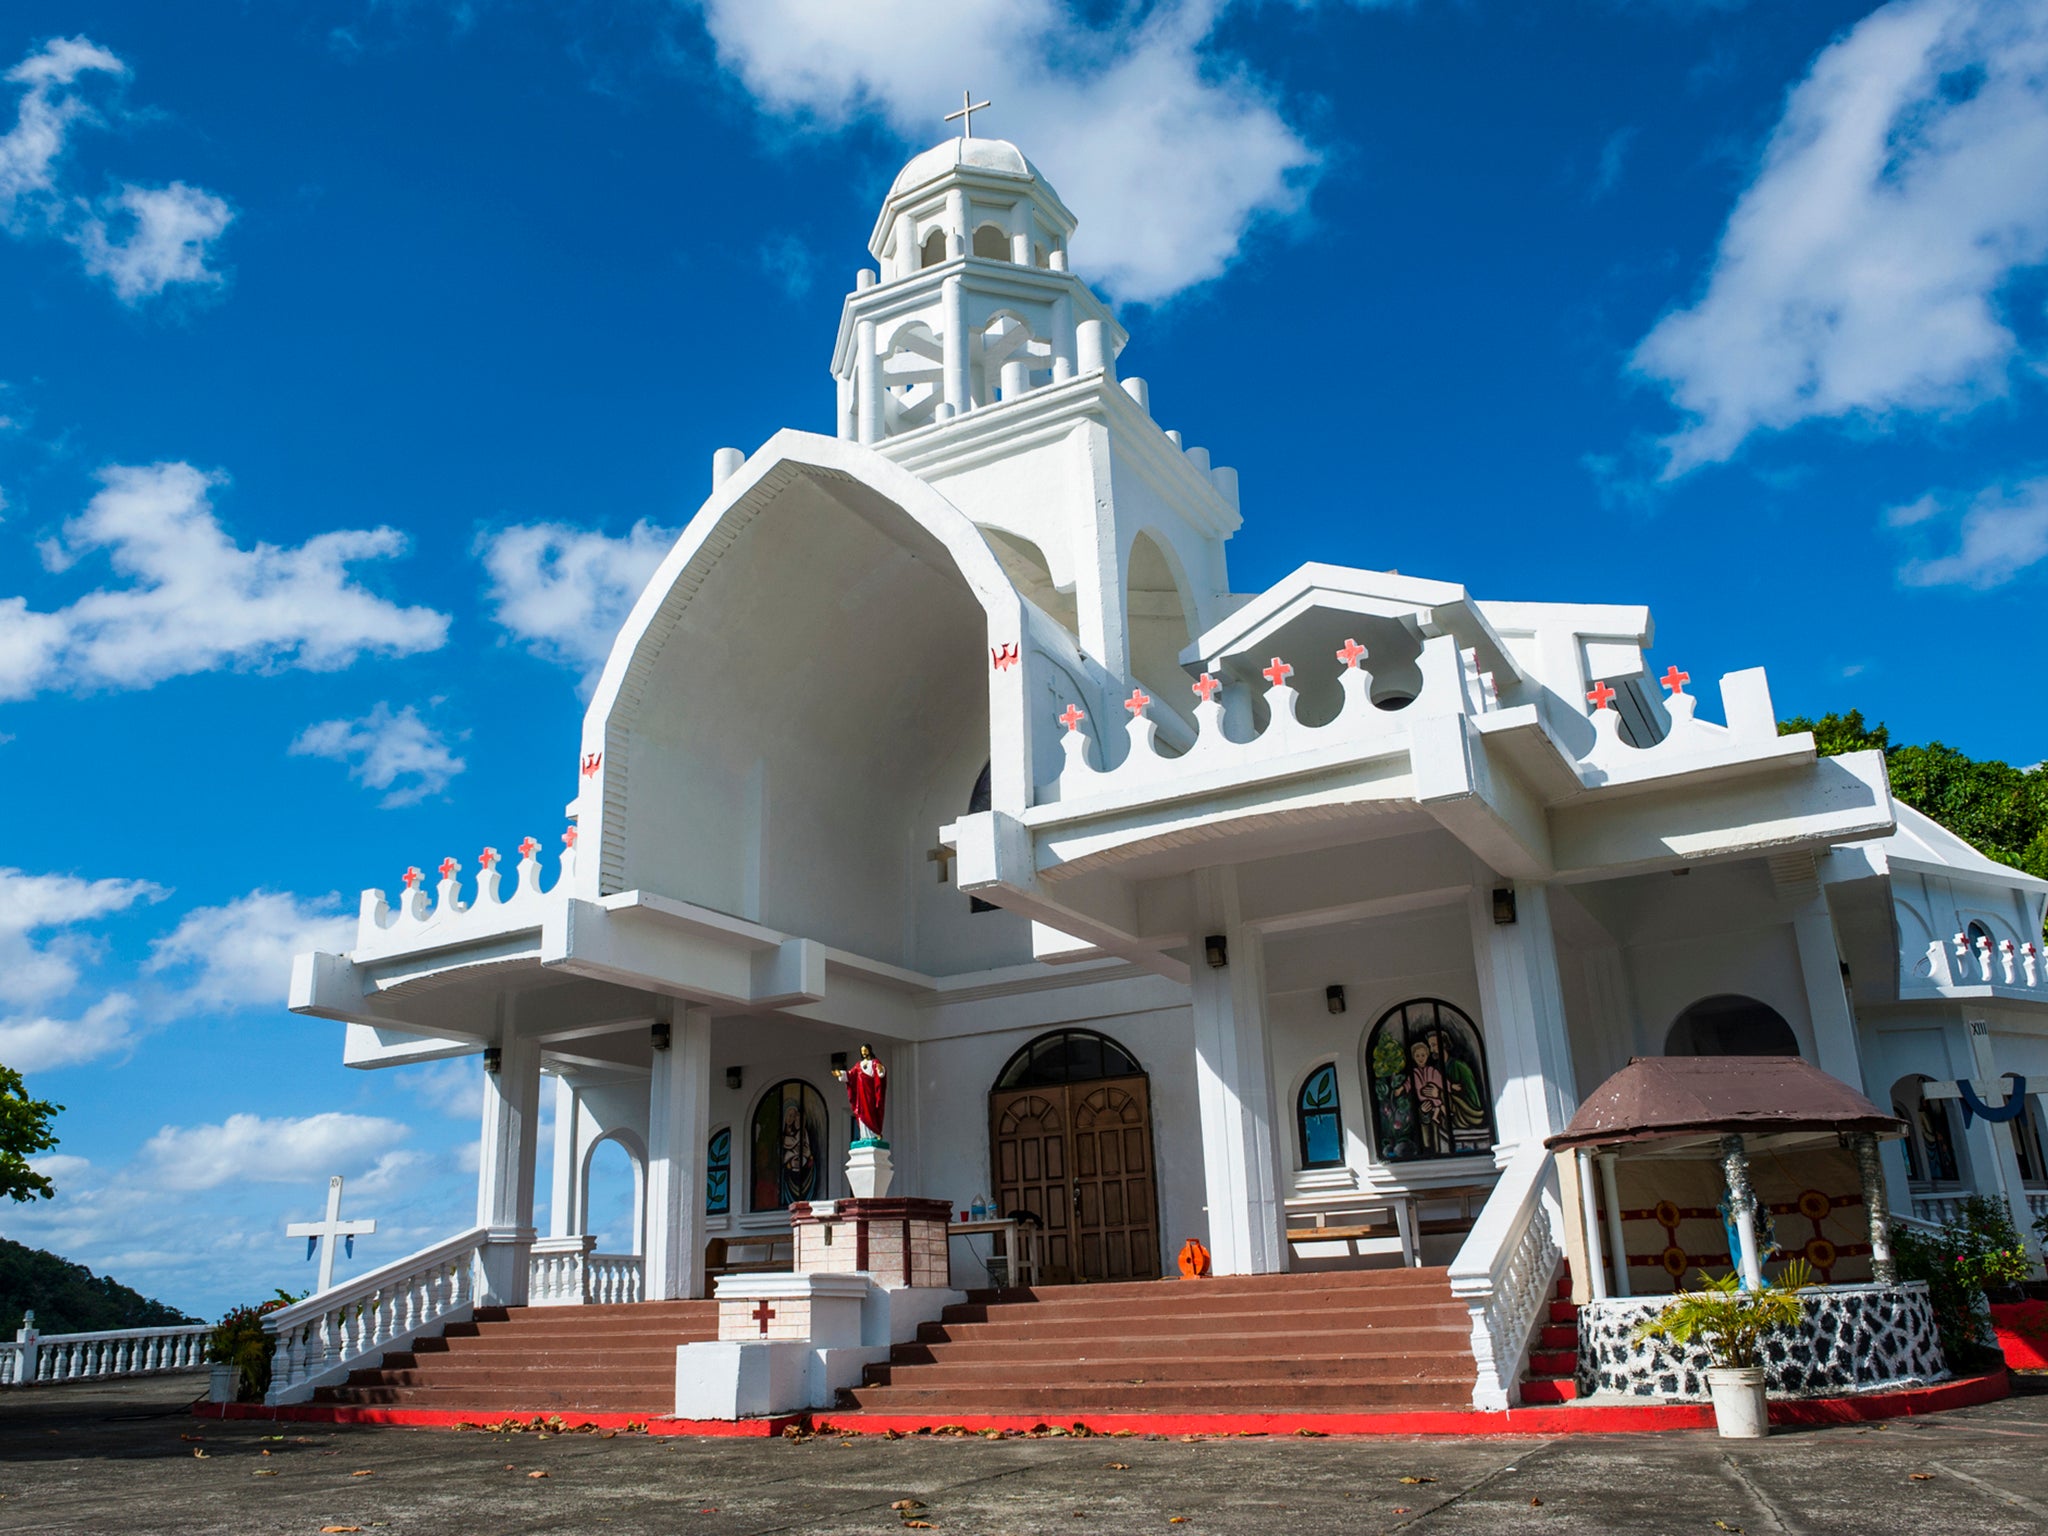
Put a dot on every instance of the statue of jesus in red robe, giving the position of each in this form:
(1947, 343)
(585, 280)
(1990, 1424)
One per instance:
(867, 1090)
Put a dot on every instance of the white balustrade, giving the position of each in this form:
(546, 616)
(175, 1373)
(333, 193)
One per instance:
(35, 1359)
(1938, 1209)
(321, 1339)
(1506, 1272)
(1690, 743)
(564, 1272)
(1964, 962)
(2037, 1204)
(382, 929)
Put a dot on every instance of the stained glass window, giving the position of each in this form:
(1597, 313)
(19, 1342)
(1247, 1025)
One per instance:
(1317, 1119)
(1429, 1092)
(718, 1173)
(789, 1146)
(1067, 1056)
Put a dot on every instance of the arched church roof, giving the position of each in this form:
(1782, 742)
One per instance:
(997, 157)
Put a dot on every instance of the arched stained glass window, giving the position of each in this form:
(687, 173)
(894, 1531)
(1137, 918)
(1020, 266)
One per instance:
(1318, 1120)
(789, 1152)
(1067, 1056)
(718, 1173)
(1429, 1092)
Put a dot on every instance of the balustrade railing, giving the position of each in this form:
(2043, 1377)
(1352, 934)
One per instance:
(321, 1339)
(1938, 1210)
(36, 1359)
(1505, 1271)
(1967, 961)
(565, 1272)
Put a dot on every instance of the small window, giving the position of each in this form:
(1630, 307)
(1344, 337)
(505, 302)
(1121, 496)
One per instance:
(718, 1173)
(1067, 1056)
(1930, 1134)
(1429, 1090)
(1729, 1024)
(934, 249)
(1916, 1161)
(788, 1161)
(2026, 1144)
(1317, 1119)
(991, 242)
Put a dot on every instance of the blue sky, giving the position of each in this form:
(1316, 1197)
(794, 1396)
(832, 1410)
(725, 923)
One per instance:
(358, 357)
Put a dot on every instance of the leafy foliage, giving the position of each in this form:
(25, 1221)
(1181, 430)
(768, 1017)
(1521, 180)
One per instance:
(2000, 810)
(69, 1298)
(239, 1340)
(1978, 1251)
(1730, 1321)
(24, 1131)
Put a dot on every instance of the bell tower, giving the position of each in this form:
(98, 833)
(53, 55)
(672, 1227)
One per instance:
(972, 355)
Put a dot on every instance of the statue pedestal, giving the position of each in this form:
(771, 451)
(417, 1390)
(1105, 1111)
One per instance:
(869, 1169)
(899, 1242)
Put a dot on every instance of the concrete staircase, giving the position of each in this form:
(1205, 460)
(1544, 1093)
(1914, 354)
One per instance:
(1554, 1362)
(611, 1359)
(1337, 1341)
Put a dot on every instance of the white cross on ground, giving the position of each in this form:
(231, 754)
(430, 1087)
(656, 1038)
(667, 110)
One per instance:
(325, 1232)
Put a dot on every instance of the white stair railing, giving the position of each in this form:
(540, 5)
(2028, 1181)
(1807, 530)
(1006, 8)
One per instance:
(34, 1359)
(564, 1272)
(1505, 1272)
(614, 1278)
(354, 1325)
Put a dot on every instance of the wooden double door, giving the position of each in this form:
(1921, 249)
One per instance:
(1079, 1156)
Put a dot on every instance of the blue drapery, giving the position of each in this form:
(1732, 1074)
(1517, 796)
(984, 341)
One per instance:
(2014, 1106)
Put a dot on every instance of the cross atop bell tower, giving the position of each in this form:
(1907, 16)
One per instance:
(965, 116)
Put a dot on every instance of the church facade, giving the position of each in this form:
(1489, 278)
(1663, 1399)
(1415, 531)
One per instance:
(1172, 912)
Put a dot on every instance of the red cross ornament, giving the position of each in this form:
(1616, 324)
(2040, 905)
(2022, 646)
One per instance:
(1205, 687)
(488, 858)
(592, 761)
(413, 877)
(569, 838)
(1675, 680)
(1278, 673)
(450, 867)
(529, 847)
(1601, 696)
(1351, 653)
(1071, 717)
(1137, 701)
(762, 1314)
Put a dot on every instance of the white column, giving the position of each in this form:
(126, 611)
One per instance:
(957, 360)
(1063, 338)
(505, 1167)
(1611, 1190)
(1589, 1203)
(678, 1121)
(868, 388)
(1016, 377)
(1875, 1208)
(1827, 999)
(1240, 1152)
(1528, 1050)
(1091, 349)
(956, 223)
(907, 255)
(564, 1217)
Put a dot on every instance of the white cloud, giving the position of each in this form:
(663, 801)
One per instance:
(2003, 531)
(564, 591)
(1165, 148)
(1860, 273)
(31, 148)
(239, 955)
(40, 1042)
(381, 749)
(269, 1151)
(196, 600)
(166, 235)
(455, 1087)
(33, 970)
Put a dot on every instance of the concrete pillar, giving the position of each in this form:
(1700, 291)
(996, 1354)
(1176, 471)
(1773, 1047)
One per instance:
(505, 1167)
(565, 1215)
(868, 366)
(1874, 1206)
(1596, 1264)
(1611, 1189)
(1529, 1054)
(1233, 1076)
(956, 223)
(1827, 999)
(907, 254)
(958, 358)
(1091, 349)
(1063, 339)
(1016, 377)
(678, 1123)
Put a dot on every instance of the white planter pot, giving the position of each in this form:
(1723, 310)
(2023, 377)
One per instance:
(1739, 1409)
(220, 1385)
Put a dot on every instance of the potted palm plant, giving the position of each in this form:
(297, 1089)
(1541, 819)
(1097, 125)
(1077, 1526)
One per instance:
(1732, 1324)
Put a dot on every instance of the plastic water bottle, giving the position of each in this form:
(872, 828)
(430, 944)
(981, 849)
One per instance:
(979, 1210)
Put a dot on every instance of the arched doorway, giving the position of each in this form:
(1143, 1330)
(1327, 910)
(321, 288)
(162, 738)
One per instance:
(1070, 1140)
(1729, 1024)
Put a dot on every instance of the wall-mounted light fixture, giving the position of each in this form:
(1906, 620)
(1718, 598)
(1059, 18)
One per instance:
(1504, 904)
(734, 1077)
(1217, 950)
(493, 1058)
(1334, 996)
(839, 1061)
(658, 1035)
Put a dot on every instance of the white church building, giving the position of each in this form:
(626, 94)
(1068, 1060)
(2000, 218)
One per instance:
(1174, 912)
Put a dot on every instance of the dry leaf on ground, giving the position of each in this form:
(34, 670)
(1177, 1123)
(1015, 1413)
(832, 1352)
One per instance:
(338, 1530)
(536, 1474)
(1921, 1477)
(1418, 1479)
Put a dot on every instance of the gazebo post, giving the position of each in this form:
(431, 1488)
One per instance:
(1609, 1188)
(1589, 1205)
(1882, 1270)
(1742, 1203)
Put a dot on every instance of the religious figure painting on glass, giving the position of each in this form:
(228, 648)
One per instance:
(1428, 1084)
(789, 1136)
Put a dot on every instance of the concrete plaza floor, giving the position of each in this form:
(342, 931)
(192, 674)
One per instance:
(127, 1458)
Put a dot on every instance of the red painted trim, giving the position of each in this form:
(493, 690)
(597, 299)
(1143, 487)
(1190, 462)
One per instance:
(448, 1418)
(2022, 1333)
(1619, 1418)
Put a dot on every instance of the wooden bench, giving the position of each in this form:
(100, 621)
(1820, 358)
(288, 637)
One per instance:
(718, 1259)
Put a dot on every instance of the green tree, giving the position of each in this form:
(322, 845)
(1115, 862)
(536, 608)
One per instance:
(24, 1131)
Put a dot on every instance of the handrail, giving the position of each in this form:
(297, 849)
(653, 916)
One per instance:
(1504, 1270)
(353, 1325)
(30, 1358)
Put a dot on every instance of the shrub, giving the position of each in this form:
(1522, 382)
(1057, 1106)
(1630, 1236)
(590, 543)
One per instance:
(239, 1340)
(1978, 1251)
(1730, 1321)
